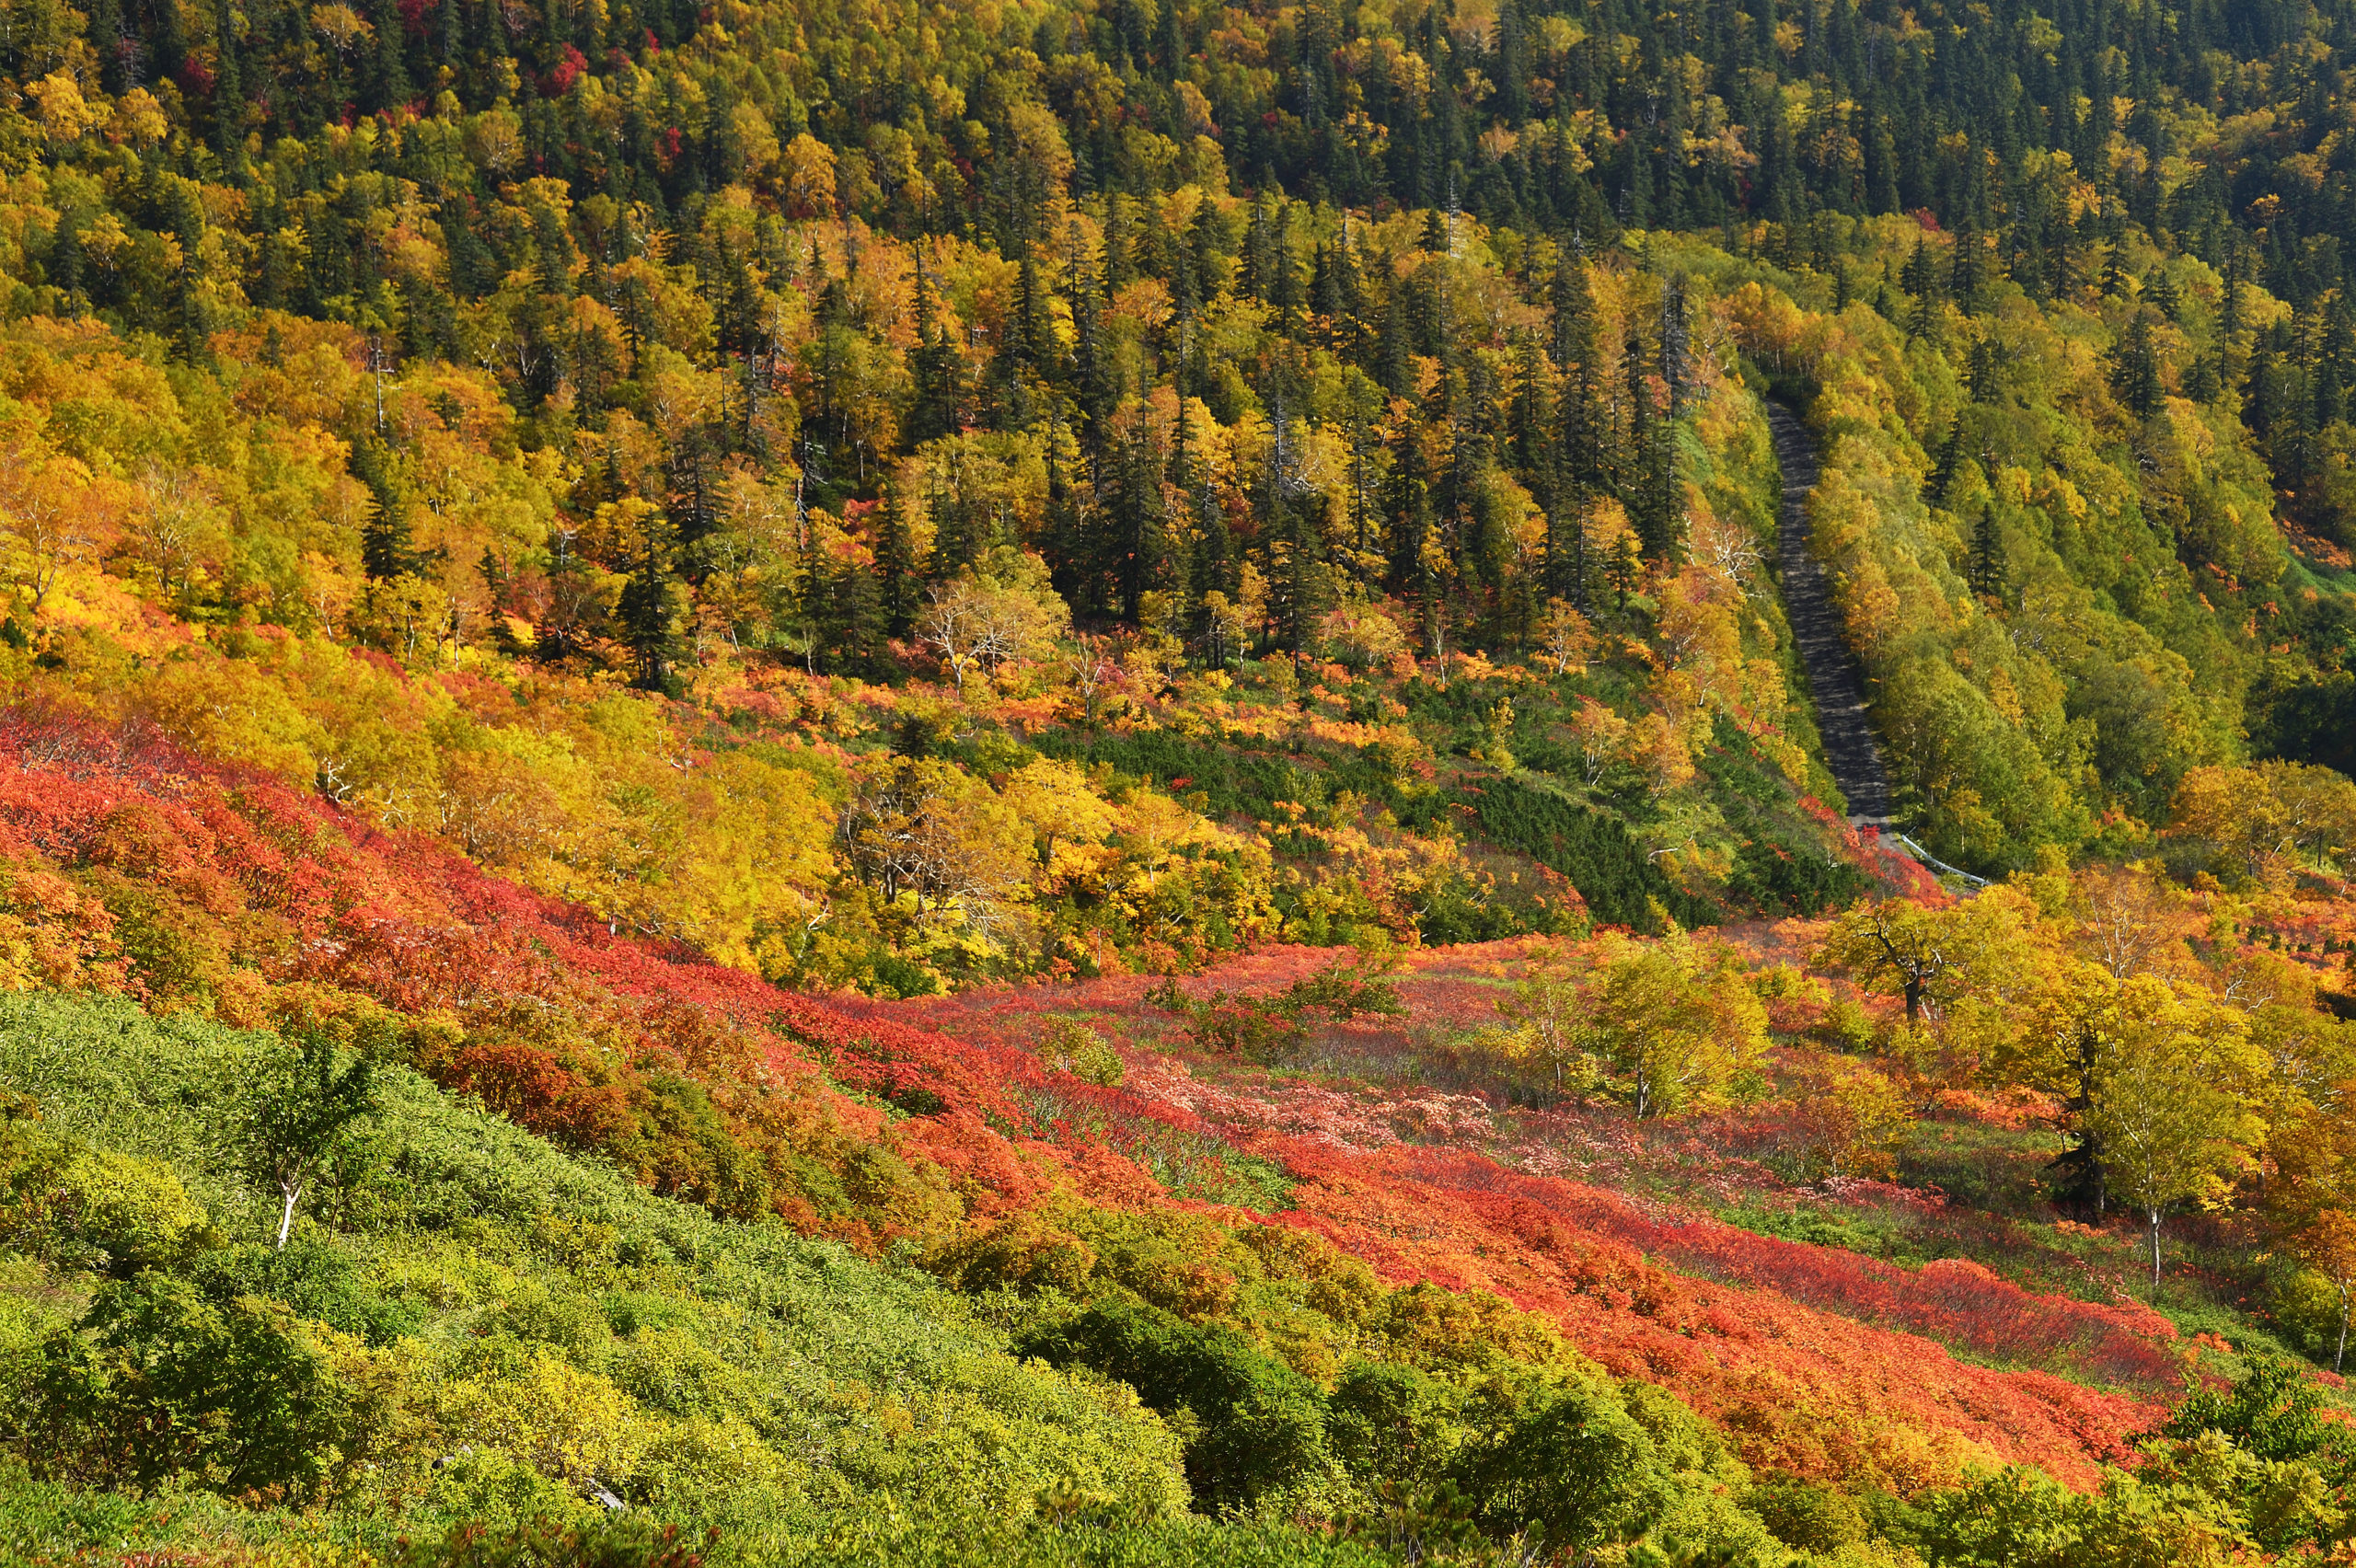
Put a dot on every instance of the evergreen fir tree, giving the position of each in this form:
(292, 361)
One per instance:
(1391, 345)
(1032, 332)
(1572, 341)
(1350, 324)
(1942, 474)
(1434, 239)
(851, 623)
(1284, 278)
(1409, 506)
(1533, 442)
(1675, 347)
(934, 362)
(899, 579)
(229, 91)
(649, 604)
(1168, 50)
(1981, 376)
(1964, 276)
(1565, 564)
(1987, 564)
(1252, 279)
(1325, 295)
(1213, 555)
(1578, 465)
(386, 549)
(1119, 265)
(1205, 245)
(1645, 491)
(391, 85)
(1626, 566)
(1920, 280)
(2135, 370)
(1142, 545)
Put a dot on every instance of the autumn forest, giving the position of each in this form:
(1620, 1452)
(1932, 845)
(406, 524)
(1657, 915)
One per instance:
(1291, 784)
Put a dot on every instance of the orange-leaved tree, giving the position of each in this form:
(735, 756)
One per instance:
(2311, 1203)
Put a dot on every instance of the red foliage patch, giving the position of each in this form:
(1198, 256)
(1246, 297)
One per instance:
(1820, 1361)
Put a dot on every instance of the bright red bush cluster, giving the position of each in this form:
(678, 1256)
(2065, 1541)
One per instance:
(1800, 1387)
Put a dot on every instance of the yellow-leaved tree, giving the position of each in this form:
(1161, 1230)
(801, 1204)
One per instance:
(2172, 1081)
(1543, 1015)
(1002, 612)
(1935, 959)
(1671, 1024)
(2267, 821)
(1068, 820)
(926, 831)
(1958, 970)
(2311, 1203)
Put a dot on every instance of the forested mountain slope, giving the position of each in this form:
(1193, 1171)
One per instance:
(1030, 779)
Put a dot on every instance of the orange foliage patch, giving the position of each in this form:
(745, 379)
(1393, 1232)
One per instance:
(1817, 1361)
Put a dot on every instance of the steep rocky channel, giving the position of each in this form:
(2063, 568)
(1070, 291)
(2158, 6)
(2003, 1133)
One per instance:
(1849, 746)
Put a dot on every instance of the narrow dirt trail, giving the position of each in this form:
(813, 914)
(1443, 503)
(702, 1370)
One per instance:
(1849, 746)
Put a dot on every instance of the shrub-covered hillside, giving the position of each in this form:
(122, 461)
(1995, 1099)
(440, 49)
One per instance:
(354, 1196)
(1034, 780)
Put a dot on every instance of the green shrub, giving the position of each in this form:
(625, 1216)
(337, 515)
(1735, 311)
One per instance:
(895, 1538)
(1564, 1459)
(1067, 1045)
(1788, 878)
(1259, 1427)
(1808, 1514)
(615, 1543)
(115, 1214)
(158, 1385)
(318, 1280)
(2272, 1412)
(1394, 1423)
(1607, 867)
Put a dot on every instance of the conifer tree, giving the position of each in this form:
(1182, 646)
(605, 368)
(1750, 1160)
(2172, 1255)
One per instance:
(649, 604)
(898, 581)
(1942, 474)
(1390, 344)
(1920, 280)
(1646, 485)
(934, 362)
(1987, 564)
(1409, 506)
(1675, 346)
(1532, 417)
(1980, 378)
(1142, 543)
(1577, 469)
(1284, 278)
(1964, 276)
(847, 618)
(386, 550)
(2135, 370)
